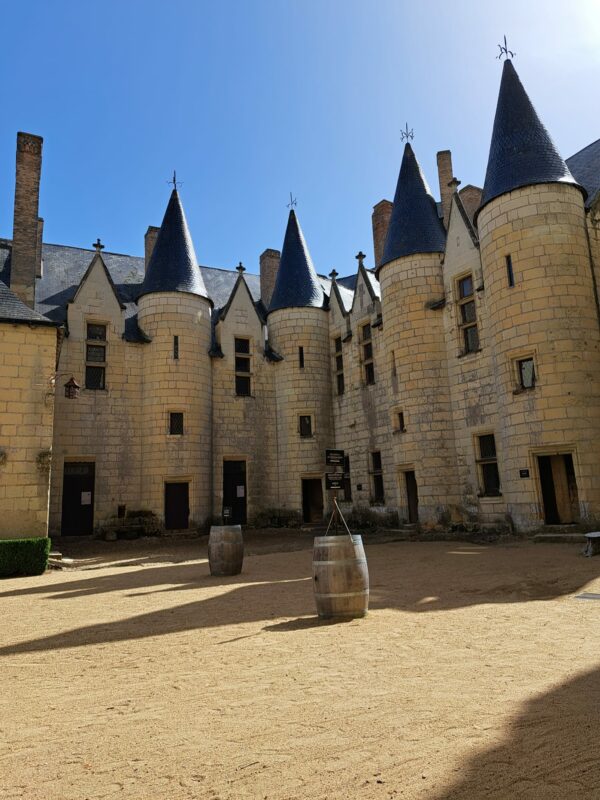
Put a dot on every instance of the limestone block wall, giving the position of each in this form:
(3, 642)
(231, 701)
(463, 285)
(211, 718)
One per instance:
(27, 363)
(243, 427)
(182, 385)
(549, 314)
(100, 426)
(471, 375)
(414, 335)
(301, 391)
(362, 419)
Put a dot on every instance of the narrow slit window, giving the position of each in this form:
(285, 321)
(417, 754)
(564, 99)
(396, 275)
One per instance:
(339, 366)
(401, 426)
(509, 271)
(176, 347)
(95, 356)
(467, 315)
(487, 462)
(242, 365)
(347, 483)
(367, 355)
(377, 476)
(301, 357)
(305, 424)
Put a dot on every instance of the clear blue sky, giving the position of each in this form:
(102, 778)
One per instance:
(249, 99)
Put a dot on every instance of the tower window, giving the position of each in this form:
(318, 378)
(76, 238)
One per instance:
(242, 367)
(509, 271)
(176, 347)
(377, 476)
(401, 426)
(95, 356)
(487, 463)
(176, 423)
(339, 365)
(526, 370)
(346, 481)
(367, 354)
(301, 357)
(467, 315)
(305, 425)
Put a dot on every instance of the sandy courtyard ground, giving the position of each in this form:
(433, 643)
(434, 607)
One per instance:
(476, 675)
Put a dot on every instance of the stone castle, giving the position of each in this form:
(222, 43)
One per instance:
(461, 376)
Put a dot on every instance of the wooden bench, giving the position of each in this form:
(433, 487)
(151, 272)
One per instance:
(593, 544)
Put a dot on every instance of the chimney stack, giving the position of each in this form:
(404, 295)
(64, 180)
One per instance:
(380, 221)
(26, 245)
(269, 264)
(149, 242)
(444, 165)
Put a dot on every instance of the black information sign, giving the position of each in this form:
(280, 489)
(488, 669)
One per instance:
(334, 480)
(523, 473)
(334, 458)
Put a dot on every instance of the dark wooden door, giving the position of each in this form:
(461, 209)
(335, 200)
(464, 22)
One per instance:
(234, 492)
(559, 489)
(78, 498)
(312, 499)
(412, 496)
(177, 506)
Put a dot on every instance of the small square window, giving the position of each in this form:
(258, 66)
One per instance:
(95, 331)
(242, 364)
(305, 425)
(242, 345)
(176, 423)
(94, 377)
(242, 386)
(95, 352)
(526, 373)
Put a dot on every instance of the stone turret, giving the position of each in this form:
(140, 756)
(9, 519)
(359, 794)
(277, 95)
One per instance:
(412, 293)
(175, 312)
(299, 331)
(543, 319)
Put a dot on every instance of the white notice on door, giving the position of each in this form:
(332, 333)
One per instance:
(240, 491)
(86, 498)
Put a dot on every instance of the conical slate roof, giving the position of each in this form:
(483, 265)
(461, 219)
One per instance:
(522, 152)
(297, 285)
(415, 226)
(173, 265)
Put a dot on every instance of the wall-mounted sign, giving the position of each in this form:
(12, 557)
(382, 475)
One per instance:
(523, 473)
(240, 491)
(334, 480)
(334, 458)
(86, 498)
(226, 512)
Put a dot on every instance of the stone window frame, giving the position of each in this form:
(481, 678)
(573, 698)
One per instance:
(464, 324)
(96, 342)
(338, 364)
(516, 357)
(483, 460)
(239, 374)
(398, 420)
(311, 417)
(367, 362)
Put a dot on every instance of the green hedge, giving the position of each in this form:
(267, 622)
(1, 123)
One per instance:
(23, 556)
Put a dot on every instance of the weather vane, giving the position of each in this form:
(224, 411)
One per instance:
(407, 134)
(293, 202)
(174, 181)
(504, 51)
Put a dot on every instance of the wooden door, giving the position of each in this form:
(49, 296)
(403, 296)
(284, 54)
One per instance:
(234, 492)
(177, 506)
(559, 489)
(312, 499)
(78, 498)
(412, 497)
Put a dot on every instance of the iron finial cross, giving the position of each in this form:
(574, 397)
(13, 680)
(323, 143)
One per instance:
(407, 134)
(360, 257)
(333, 274)
(504, 51)
(174, 182)
(241, 268)
(293, 202)
(98, 246)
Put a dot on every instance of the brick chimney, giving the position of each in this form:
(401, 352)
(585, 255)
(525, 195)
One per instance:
(269, 264)
(444, 165)
(26, 248)
(149, 242)
(380, 220)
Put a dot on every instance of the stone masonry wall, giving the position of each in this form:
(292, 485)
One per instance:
(27, 361)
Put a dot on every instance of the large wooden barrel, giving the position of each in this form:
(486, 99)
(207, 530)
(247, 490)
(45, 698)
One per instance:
(340, 577)
(225, 550)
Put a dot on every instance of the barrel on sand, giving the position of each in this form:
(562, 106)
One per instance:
(340, 576)
(225, 550)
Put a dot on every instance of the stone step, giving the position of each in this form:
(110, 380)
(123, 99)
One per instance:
(560, 538)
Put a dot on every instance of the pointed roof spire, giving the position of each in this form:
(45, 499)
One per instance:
(415, 226)
(173, 265)
(297, 284)
(522, 152)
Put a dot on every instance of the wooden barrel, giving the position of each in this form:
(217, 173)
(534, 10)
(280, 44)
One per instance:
(340, 577)
(225, 550)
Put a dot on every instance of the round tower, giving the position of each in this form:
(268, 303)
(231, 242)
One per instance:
(543, 319)
(299, 331)
(174, 311)
(412, 288)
